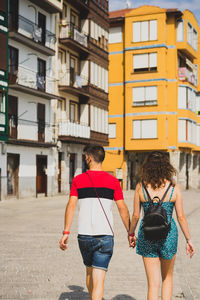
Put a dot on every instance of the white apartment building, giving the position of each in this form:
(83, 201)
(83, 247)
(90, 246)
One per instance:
(28, 159)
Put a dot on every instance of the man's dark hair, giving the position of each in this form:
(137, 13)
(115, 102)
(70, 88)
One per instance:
(96, 151)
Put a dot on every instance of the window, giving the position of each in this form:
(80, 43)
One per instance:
(186, 98)
(41, 75)
(145, 31)
(198, 135)
(41, 122)
(74, 112)
(145, 129)
(13, 64)
(112, 131)
(180, 31)
(145, 95)
(12, 116)
(186, 131)
(64, 12)
(98, 119)
(192, 36)
(115, 35)
(145, 62)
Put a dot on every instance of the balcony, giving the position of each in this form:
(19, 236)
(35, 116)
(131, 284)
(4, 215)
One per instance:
(186, 74)
(50, 6)
(81, 5)
(71, 37)
(75, 130)
(24, 31)
(27, 132)
(73, 82)
(31, 82)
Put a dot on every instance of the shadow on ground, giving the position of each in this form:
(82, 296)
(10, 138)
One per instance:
(77, 293)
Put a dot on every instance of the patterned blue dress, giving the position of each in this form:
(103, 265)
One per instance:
(165, 249)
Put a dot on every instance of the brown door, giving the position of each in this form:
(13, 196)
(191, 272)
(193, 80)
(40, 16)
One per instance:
(59, 171)
(41, 179)
(42, 24)
(71, 167)
(12, 174)
(13, 14)
(13, 64)
(12, 116)
(41, 122)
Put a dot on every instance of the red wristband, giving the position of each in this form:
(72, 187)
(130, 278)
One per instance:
(66, 232)
(131, 234)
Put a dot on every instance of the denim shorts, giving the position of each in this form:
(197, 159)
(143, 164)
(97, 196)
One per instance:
(96, 250)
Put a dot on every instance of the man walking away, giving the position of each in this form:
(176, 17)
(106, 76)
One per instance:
(95, 190)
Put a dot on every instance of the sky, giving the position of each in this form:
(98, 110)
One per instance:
(193, 5)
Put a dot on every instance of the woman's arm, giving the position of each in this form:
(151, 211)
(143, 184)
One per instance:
(135, 217)
(182, 221)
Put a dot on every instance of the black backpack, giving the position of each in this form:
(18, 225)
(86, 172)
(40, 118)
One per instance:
(155, 223)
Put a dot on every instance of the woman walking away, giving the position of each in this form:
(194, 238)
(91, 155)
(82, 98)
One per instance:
(157, 241)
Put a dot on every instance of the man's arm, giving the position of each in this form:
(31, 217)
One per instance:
(69, 213)
(124, 213)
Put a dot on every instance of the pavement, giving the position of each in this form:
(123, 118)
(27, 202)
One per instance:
(33, 267)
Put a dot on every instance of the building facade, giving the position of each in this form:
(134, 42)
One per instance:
(3, 85)
(153, 92)
(82, 72)
(29, 160)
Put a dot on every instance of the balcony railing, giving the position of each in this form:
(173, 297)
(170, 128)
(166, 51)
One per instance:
(23, 129)
(71, 31)
(32, 31)
(73, 129)
(72, 79)
(31, 79)
(185, 74)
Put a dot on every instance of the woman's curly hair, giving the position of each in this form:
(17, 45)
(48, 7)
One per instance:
(156, 168)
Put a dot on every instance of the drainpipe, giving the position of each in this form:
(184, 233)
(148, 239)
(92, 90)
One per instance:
(124, 101)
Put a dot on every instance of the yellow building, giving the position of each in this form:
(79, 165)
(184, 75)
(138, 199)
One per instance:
(153, 92)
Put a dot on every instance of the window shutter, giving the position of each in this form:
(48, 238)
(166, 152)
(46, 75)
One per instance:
(181, 130)
(92, 29)
(149, 129)
(136, 32)
(152, 60)
(137, 129)
(182, 97)
(180, 31)
(153, 30)
(115, 35)
(112, 131)
(198, 135)
(140, 61)
(189, 131)
(138, 94)
(151, 93)
(144, 31)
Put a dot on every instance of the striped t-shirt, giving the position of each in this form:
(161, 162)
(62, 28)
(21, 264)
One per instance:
(92, 220)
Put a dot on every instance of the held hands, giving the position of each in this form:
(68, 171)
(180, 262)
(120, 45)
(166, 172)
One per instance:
(132, 241)
(63, 242)
(190, 249)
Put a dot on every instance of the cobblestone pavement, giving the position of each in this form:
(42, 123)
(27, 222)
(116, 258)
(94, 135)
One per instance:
(33, 267)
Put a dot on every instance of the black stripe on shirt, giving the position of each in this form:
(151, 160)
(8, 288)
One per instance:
(102, 192)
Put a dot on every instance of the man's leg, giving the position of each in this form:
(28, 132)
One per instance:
(89, 280)
(98, 277)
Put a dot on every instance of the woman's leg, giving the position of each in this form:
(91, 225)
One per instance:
(167, 268)
(152, 268)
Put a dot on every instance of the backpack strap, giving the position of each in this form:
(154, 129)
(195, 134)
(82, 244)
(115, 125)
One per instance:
(171, 194)
(163, 197)
(148, 196)
(144, 193)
